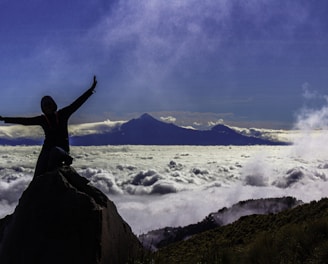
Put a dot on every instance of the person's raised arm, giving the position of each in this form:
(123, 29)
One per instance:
(81, 100)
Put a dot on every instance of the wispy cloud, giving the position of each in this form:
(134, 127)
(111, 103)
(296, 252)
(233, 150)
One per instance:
(160, 46)
(94, 128)
(158, 37)
(169, 119)
(315, 117)
(311, 119)
(312, 122)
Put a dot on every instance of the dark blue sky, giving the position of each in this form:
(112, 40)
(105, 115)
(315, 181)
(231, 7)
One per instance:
(247, 61)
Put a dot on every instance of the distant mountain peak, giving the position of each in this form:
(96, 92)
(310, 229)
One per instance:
(147, 117)
(222, 127)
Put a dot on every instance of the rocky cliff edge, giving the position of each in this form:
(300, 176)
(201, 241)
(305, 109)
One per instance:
(62, 219)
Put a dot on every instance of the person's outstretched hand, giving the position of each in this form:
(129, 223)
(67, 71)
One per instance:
(94, 82)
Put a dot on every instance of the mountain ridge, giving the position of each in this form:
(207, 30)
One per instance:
(297, 235)
(163, 237)
(146, 130)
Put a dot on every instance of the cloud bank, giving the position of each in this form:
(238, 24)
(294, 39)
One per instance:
(176, 185)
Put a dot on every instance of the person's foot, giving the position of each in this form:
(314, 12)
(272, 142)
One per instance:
(68, 160)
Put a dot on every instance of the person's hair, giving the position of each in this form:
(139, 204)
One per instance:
(46, 101)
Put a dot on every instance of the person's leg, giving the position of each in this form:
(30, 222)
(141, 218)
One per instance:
(42, 163)
(68, 160)
(57, 157)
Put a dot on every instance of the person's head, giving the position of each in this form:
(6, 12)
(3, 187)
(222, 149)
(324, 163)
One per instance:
(48, 105)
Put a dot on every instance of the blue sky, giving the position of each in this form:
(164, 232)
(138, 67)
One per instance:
(249, 62)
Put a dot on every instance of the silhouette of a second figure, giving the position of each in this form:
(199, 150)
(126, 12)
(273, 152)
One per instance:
(55, 149)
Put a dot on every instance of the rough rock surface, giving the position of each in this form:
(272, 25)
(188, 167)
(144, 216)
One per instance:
(61, 219)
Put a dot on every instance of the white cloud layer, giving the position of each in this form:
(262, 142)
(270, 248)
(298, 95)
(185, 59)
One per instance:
(19, 131)
(168, 119)
(156, 186)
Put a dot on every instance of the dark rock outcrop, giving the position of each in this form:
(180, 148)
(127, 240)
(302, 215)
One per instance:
(61, 219)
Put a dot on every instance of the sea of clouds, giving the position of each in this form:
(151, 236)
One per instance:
(158, 186)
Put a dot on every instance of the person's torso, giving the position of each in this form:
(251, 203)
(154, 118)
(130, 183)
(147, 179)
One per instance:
(56, 131)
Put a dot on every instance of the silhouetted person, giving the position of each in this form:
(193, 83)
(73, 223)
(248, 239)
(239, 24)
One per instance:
(55, 149)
